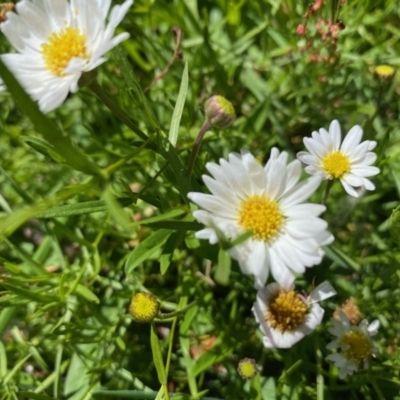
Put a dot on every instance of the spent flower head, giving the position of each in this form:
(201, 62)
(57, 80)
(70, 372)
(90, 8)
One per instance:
(354, 342)
(349, 161)
(56, 41)
(144, 307)
(286, 316)
(267, 202)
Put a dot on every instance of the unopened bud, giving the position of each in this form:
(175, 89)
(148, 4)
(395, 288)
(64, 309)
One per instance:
(219, 112)
(300, 30)
(384, 71)
(144, 307)
(247, 368)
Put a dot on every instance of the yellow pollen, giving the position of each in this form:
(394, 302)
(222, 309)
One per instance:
(287, 311)
(61, 47)
(261, 216)
(356, 346)
(336, 164)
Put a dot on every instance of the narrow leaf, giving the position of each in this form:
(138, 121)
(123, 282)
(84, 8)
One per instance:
(146, 249)
(157, 356)
(180, 102)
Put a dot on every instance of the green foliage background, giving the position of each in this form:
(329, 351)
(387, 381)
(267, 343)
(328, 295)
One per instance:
(82, 231)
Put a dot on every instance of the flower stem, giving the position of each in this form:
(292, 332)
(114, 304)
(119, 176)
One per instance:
(177, 312)
(196, 146)
(329, 184)
(109, 103)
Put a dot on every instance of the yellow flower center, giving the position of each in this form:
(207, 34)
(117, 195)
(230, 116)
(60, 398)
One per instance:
(356, 346)
(261, 216)
(287, 311)
(61, 47)
(144, 307)
(336, 164)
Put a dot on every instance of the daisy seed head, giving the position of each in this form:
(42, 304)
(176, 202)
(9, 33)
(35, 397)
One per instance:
(285, 316)
(350, 309)
(219, 112)
(261, 216)
(286, 311)
(356, 346)
(144, 307)
(247, 368)
(353, 342)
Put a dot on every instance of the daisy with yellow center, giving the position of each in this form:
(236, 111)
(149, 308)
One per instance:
(286, 234)
(354, 342)
(56, 41)
(350, 161)
(286, 316)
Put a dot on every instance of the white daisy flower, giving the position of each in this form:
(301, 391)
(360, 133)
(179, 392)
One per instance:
(286, 316)
(349, 161)
(56, 41)
(354, 342)
(268, 202)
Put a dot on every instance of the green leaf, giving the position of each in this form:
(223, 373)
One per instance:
(157, 356)
(178, 110)
(15, 369)
(29, 294)
(3, 360)
(134, 88)
(85, 292)
(223, 268)
(146, 249)
(33, 396)
(171, 244)
(61, 143)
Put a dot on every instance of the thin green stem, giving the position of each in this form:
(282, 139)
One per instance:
(328, 186)
(377, 390)
(320, 376)
(170, 346)
(196, 146)
(177, 312)
(109, 103)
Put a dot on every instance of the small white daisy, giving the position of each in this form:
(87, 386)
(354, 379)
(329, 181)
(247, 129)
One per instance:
(56, 41)
(268, 202)
(354, 342)
(349, 161)
(286, 316)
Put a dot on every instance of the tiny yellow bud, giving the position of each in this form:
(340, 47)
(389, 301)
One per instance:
(384, 71)
(219, 112)
(247, 368)
(144, 307)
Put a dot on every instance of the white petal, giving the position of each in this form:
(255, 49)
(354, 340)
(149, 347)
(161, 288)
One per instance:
(322, 292)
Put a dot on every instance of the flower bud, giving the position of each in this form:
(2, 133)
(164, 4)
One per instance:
(144, 307)
(384, 71)
(219, 112)
(247, 368)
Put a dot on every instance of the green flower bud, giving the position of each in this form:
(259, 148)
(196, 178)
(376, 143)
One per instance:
(247, 368)
(395, 225)
(219, 112)
(144, 307)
